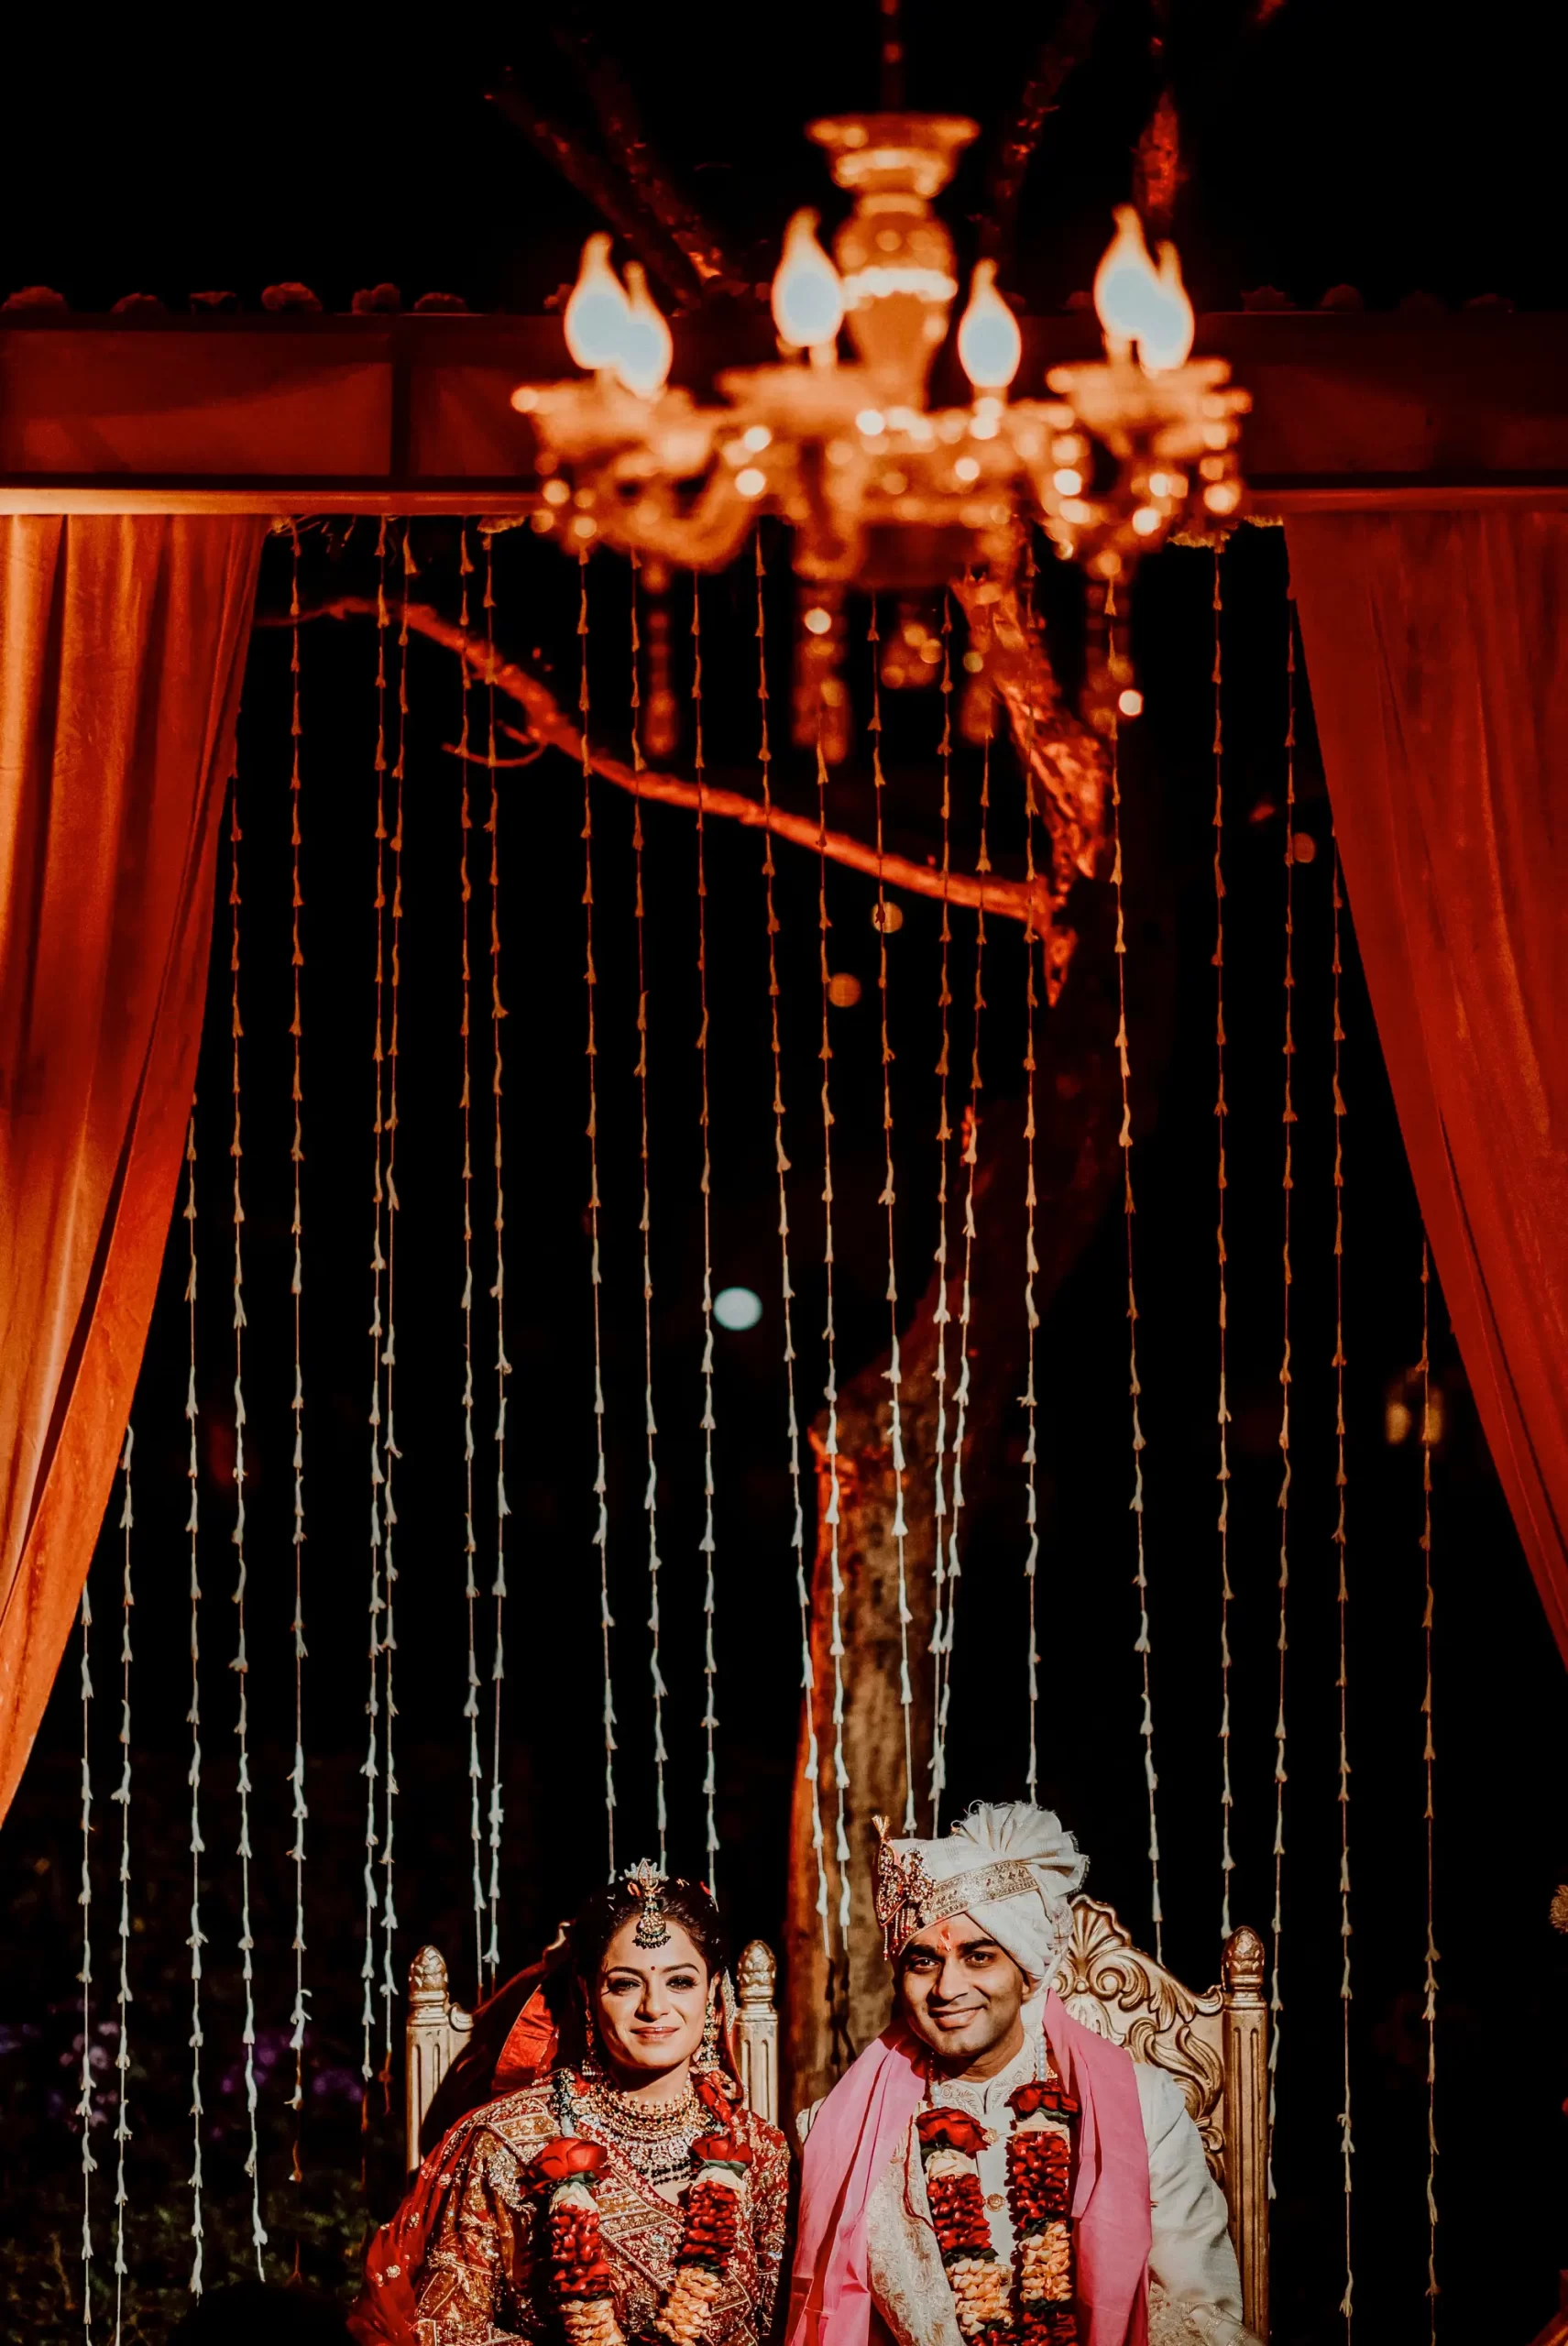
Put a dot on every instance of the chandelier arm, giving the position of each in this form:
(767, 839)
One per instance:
(707, 538)
(1013, 899)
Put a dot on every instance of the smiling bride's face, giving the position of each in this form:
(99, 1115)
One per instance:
(651, 2003)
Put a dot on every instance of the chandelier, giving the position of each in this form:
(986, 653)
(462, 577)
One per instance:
(879, 490)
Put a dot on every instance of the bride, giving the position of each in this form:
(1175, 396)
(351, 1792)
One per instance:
(625, 2191)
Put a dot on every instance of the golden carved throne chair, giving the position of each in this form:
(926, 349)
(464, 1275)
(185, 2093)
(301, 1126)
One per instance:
(1217, 2047)
(438, 2030)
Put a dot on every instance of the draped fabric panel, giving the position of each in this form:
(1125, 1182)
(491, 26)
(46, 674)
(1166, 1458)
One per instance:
(1437, 650)
(122, 648)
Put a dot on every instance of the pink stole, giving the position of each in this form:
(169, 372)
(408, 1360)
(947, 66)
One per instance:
(861, 2128)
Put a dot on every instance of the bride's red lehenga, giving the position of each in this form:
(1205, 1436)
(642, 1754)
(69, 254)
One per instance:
(485, 2276)
(466, 2261)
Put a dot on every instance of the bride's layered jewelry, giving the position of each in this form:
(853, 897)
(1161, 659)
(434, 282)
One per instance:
(655, 2137)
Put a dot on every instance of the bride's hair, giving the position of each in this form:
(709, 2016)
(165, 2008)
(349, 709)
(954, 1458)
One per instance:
(686, 1903)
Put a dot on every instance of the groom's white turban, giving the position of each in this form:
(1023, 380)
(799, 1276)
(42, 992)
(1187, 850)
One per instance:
(1013, 1867)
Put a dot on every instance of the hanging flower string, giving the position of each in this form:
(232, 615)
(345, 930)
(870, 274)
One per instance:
(1347, 2147)
(391, 1454)
(1032, 2300)
(968, 1155)
(786, 1292)
(241, 1662)
(596, 1274)
(466, 1101)
(886, 921)
(122, 1798)
(645, 1225)
(1428, 1761)
(198, 1938)
(1223, 1412)
(567, 2173)
(498, 1292)
(944, 1136)
(830, 1389)
(706, 1546)
(85, 1899)
(1031, 1259)
(298, 2017)
(1287, 1118)
(372, 1768)
(1118, 666)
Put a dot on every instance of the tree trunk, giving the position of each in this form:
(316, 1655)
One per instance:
(838, 2000)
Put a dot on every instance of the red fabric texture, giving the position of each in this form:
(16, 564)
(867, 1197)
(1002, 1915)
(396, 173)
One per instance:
(122, 648)
(1438, 657)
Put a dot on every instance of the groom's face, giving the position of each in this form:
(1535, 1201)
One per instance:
(961, 1993)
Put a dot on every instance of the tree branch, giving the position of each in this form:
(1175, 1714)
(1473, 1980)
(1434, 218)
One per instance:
(620, 128)
(607, 189)
(549, 725)
(1064, 761)
(1059, 58)
(1157, 166)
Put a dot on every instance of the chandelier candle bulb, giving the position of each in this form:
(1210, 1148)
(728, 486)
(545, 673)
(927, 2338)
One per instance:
(808, 293)
(1136, 302)
(991, 347)
(647, 348)
(599, 313)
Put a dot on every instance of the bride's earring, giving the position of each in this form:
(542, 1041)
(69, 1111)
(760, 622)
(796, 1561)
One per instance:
(707, 2055)
(593, 2067)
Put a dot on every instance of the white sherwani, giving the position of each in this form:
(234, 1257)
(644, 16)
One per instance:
(1195, 2293)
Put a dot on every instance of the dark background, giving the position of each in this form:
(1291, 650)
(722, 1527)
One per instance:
(1379, 145)
(1327, 146)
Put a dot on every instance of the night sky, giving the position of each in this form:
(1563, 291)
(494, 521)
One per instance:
(1323, 149)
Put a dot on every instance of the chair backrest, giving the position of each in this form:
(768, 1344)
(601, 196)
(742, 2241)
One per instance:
(436, 2034)
(438, 2030)
(1215, 2045)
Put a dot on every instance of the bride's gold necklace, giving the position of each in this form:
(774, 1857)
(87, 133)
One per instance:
(654, 2136)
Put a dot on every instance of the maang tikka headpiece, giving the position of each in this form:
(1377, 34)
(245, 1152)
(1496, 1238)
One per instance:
(646, 1884)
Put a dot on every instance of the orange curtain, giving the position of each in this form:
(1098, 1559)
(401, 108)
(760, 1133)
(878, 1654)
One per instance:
(121, 647)
(1437, 649)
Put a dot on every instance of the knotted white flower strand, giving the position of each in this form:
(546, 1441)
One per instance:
(786, 1291)
(122, 1798)
(706, 1547)
(198, 1938)
(241, 1662)
(85, 1899)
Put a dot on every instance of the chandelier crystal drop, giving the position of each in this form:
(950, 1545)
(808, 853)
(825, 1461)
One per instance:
(881, 491)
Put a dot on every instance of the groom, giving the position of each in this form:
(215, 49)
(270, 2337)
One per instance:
(984, 2099)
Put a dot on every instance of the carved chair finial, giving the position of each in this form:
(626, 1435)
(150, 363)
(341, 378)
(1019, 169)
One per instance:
(427, 1976)
(755, 1974)
(1242, 1964)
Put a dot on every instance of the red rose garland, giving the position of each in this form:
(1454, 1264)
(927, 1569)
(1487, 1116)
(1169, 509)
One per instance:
(1032, 2303)
(1039, 2198)
(568, 2169)
(949, 2143)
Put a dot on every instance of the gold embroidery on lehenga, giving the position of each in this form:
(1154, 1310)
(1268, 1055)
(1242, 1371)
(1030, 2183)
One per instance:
(479, 2279)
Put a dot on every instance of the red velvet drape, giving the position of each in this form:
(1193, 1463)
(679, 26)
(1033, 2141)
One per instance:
(1437, 649)
(121, 647)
